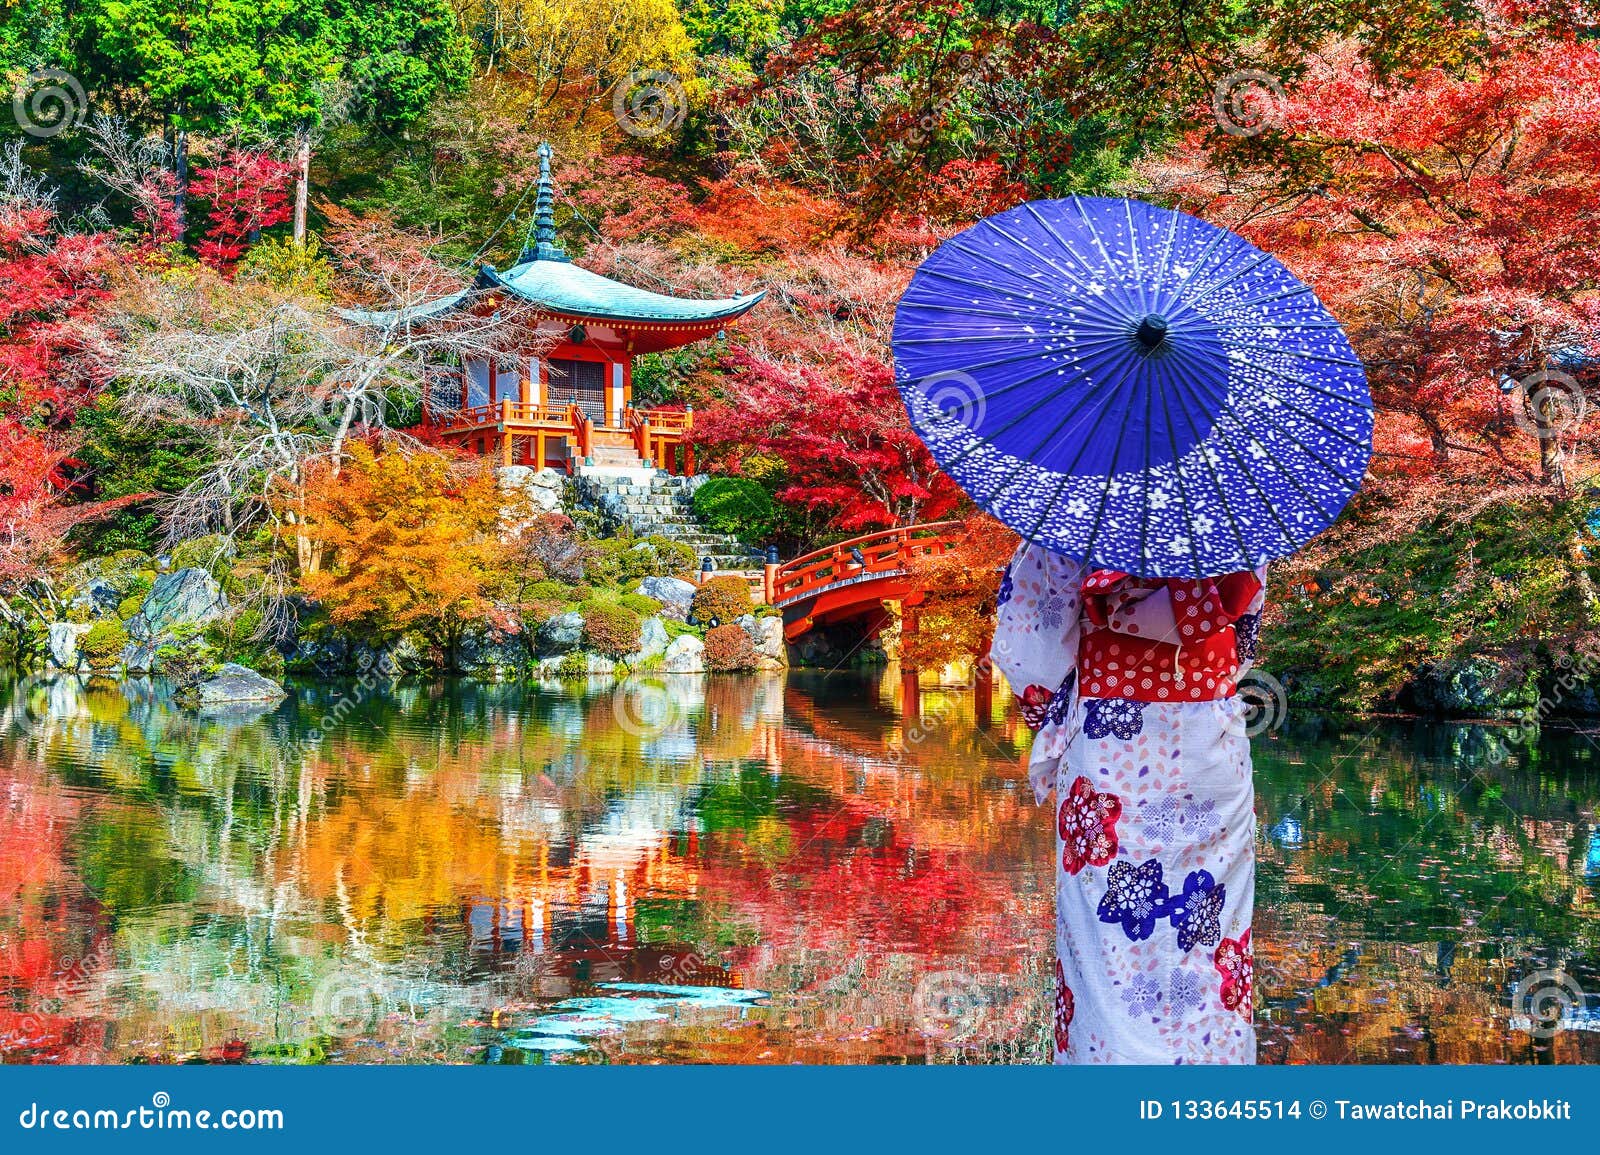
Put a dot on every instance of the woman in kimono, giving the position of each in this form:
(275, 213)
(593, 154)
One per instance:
(1129, 684)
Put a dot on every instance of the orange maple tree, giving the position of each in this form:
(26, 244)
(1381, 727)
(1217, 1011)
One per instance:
(408, 542)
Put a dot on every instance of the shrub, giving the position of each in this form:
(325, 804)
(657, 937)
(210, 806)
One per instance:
(645, 607)
(623, 561)
(738, 506)
(729, 648)
(609, 629)
(130, 606)
(721, 600)
(102, 645)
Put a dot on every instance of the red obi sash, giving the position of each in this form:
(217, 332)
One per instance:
(1137, 649)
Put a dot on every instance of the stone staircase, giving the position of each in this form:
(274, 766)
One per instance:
(648, 502)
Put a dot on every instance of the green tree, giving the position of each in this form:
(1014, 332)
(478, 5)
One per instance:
(399, 56)
(251, 67)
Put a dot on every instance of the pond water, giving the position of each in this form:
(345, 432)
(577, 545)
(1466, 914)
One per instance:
(729, 869)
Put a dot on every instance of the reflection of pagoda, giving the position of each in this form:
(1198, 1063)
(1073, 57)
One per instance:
(571, 402)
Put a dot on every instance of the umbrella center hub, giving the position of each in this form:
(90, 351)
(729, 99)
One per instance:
(1152, 330)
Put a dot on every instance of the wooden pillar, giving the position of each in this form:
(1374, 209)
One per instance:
(538, 449)
(983, 687)
(910, 687)
(688, 459)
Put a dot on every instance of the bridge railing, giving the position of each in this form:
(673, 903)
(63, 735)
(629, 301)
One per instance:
(887, 552)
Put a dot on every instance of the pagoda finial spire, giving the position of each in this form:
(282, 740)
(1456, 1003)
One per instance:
(544, 247)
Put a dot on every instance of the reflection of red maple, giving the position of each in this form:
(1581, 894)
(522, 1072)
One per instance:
(45, 955)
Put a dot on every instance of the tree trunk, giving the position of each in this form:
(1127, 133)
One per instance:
(302, 186)
(180, 195)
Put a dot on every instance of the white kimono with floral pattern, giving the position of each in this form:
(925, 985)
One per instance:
(1155, 837)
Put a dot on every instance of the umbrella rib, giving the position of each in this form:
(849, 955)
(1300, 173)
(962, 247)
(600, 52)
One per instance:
(1315, 419)
(995, 364)
(1144, 506)
(1199, 441)
(1007, 269)
(1183, 493)
(1001, 290)
(1304, 384)
(1304, 448)
(1061, 241)
(1066, 473)
(1233, 276)
(1116, 452)
(1288, 534)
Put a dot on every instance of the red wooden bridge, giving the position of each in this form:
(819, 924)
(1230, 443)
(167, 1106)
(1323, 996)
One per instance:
(853, 579)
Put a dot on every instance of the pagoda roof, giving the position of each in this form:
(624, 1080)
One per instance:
(546, 278)
(569, 290)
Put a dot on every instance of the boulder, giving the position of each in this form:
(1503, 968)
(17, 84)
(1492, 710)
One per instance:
(542, 486)
(182, 597)
(139, 657)
(490, 651)
(328, 654)
(236, 683)
(766, 634)
(98, 596)
(1479, 686)
(686, 655)
(669, 591)
(652, 642)
(64, 644)
(561, 634)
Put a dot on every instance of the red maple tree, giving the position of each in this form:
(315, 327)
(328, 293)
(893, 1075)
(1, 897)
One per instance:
(245, 191)
(1453, 224)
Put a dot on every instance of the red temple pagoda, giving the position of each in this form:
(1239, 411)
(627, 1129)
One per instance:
(571, 404)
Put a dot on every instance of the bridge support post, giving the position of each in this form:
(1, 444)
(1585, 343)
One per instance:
(983, 687)
(910, 685)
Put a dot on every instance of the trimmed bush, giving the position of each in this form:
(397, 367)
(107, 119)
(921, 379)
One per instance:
(738, 506)
(729, 648)
(721, 600)
(130, 606)
(102, 646)
(609, 629)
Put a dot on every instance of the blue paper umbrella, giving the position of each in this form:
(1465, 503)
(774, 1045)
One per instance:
(1133, 387)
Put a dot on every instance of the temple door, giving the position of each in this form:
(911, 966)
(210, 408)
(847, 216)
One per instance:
(580, 381)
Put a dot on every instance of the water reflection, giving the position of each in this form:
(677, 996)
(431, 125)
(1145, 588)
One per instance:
(759, 869)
